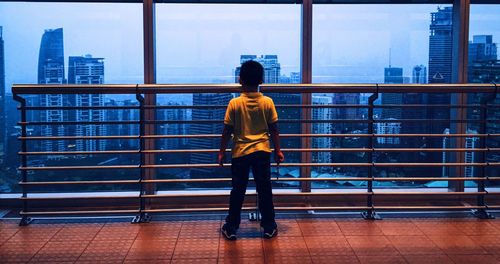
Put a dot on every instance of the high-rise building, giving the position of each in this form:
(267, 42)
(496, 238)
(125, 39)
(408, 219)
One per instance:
(392, 75)
(482, 48)
(88, 70)
(322, 128)
(3, 149)
(484, 67)
(123, 114)
(419, 74)
(388, 128)
(51, 71)
(440, 61)
(206, 128)
(272, 68)
(174, 129)
(440, 46)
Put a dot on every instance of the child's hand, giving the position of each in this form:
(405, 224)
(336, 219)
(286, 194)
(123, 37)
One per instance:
(279, 157)
(220, 158)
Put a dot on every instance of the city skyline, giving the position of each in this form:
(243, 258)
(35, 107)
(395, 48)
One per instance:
(389, 64)
(125, 63)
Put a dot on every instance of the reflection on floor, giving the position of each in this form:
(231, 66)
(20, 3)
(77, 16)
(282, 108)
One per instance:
(300, 240)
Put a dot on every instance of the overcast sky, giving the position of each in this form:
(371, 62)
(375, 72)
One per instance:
(202, 43)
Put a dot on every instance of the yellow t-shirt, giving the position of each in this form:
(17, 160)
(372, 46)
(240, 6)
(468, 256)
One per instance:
(250, 114)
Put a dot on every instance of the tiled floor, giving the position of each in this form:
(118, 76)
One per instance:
(300, 240)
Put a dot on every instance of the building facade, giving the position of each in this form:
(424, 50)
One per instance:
(88, 70)
(3, 131)
(51, 71)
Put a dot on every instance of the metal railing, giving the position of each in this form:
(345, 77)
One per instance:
(147, 197)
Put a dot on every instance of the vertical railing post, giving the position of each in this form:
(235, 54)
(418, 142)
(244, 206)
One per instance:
(24, 159)
(370, 213)
(481, 212)
(142, 216)
(306, 98)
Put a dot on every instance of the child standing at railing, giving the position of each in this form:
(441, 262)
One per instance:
(252, 119)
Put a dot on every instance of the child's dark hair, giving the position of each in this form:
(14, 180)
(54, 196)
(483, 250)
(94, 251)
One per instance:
(251, 73)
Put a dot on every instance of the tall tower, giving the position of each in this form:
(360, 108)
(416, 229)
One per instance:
(440, 46)
(207, 128)
(51, 71)
(88, 70)
(2, 101)
(482, 49)
(392, 75)
(440, 60)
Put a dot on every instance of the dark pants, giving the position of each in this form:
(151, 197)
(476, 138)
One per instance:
(261, 168)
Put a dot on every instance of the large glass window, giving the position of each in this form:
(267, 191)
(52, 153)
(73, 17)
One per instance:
(68, 43)
(484, 67)
(203, 43)
(385, 44)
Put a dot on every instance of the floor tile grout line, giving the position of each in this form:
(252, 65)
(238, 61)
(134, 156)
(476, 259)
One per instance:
(176, 241)
(89, 243)
(218, 240)
(46, 242)
(426, 235)
(11, 236)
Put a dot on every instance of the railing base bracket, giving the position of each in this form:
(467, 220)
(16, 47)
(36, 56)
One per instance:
(141, 218)
(482, 214)
(254, 216)
(25, 221)
(370, 215)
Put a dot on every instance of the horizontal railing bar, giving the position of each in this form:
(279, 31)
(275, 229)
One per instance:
(401, 164)
(81, 197)
(277, 106)
(235, 88)
(191, 195)
(282, 179)
(77, 137)
(81, 167)
(430, 207)
(286, 121)
(80, 152)
(282, 135)
(80, 212)
(178, 166)
(284, 150)
(253, 194)
(32, 183)
(79, 107)
(429, 193)
(309, 208)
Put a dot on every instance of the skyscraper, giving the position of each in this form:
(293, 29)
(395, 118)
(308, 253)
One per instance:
(482, 49)
(272, 68)
(200, 99)
(51, 71)
(484, 67)
(322, 128)
(440, 46)
(419, 74)
(88, 70)
(3, 148)
(440, 60)
(395, 76)
(174, 129)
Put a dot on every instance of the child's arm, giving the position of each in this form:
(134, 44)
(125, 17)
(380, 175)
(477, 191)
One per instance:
(275, 137)
(226, 135)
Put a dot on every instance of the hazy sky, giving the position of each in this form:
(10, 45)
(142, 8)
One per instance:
(202, 43)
